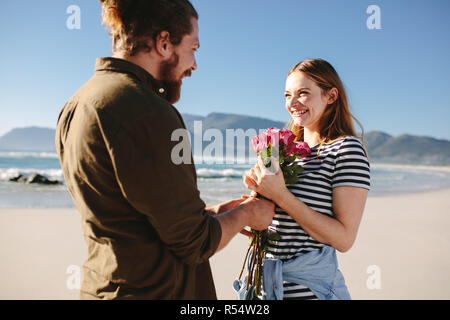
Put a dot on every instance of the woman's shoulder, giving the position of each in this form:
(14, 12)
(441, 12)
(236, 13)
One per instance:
(352, 164)
(348, 139)
(351, 146)
(348, 142)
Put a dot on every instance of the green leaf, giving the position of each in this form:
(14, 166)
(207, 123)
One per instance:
(298, 169)
(291, 179)
(289, 159)
(274, 236)
(265, 153)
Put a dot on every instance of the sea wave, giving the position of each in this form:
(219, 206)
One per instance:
(28, 154)
(224, 173)
(235, 161)
(55, 174)
(409, 167)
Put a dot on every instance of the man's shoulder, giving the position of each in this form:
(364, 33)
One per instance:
(118, 97)
(114, 102)
(120, 91)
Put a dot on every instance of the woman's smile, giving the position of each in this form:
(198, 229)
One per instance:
(298, 113)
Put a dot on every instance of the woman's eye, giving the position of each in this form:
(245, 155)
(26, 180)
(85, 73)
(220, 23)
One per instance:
(303, 92)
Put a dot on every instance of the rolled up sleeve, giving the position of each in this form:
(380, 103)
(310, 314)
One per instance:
(166, 193)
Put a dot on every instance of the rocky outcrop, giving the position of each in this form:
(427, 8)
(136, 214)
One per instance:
(34, 178)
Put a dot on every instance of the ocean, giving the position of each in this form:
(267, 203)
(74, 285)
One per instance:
(216, 182)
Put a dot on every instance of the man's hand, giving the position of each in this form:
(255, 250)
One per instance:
(228, 205)
(245, 232)
(253, 212)
(259, 212)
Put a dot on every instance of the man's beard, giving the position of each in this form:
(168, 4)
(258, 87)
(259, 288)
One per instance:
(168, 77)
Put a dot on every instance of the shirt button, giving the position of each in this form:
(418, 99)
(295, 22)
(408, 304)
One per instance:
(161, 90)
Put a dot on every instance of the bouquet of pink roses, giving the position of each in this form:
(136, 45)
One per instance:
(282, 140)
(279, 144)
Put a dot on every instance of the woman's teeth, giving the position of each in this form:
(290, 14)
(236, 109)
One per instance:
(299, 113)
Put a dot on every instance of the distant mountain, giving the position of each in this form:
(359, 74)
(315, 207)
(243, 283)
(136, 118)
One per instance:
(374, 139)
(223, 121)
(381, 147)
(189, 120)
(407, 149)
(29, 139)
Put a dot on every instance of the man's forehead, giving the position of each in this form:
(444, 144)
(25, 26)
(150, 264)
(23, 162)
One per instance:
(195, 31)
(193, 37)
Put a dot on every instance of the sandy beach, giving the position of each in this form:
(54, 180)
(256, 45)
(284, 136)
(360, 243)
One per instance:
(402, 252)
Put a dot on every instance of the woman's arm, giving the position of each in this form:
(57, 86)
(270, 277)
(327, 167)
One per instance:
(339, 231)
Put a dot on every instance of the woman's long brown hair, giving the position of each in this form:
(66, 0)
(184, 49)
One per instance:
(336, 121)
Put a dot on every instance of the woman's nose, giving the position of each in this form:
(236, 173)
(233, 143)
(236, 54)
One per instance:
(293, 102)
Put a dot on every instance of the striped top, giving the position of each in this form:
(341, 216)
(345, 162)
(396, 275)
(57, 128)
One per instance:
(342, 163)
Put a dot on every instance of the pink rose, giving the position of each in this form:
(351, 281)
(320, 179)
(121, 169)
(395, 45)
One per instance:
(264, 138)
(271, 131)
(287, 137)
(260, 142)
(256, 144)
(273, 135)
(300, 148)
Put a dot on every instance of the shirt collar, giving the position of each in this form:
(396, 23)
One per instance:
(125, 66)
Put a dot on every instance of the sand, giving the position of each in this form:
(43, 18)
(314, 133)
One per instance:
(402, 252)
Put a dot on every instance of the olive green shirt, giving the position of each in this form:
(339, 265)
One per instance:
(147, 232)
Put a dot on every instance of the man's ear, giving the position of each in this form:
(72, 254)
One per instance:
(163, 46)
(333, 94)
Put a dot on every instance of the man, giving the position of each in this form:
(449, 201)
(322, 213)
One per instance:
(148, 233)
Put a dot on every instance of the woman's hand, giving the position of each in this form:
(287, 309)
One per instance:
(265, 181)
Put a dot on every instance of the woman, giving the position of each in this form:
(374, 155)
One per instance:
(322, 212)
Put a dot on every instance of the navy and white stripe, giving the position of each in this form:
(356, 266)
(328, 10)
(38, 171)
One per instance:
(341, 163)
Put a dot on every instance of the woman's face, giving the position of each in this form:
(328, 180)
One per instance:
(304, 100)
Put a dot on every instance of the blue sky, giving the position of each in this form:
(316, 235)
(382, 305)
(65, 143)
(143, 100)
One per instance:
(397, 77)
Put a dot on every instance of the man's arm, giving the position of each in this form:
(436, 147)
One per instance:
(162, 190)
(254, 212)
(224, 206)
(166, 192)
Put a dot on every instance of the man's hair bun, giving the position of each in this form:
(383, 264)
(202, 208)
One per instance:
(134, 24)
